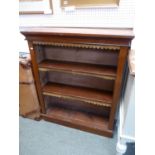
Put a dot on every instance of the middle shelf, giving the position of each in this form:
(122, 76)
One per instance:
(92, 96)
(105, 72)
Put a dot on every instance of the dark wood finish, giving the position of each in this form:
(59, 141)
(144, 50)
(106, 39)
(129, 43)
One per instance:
(88, 69)
(119, 37)
(117, 89)
(79, 55)
(76, 105)
(86, 40)
(36, 76)
(79, 80)
(73, 81)
(78, 93)
(75, 119)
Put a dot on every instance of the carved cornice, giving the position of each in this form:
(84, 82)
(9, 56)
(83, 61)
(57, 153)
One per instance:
(78, 45)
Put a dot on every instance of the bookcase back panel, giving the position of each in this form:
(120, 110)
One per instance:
(77, 80)
(40, 55)
(81, 55)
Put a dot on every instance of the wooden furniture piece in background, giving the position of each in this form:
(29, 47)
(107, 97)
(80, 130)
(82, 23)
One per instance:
(28, 99)
(79, 74)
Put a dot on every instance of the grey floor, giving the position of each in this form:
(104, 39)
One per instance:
(45, 138)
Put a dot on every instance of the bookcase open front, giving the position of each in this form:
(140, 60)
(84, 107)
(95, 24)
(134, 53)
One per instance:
(79, 74)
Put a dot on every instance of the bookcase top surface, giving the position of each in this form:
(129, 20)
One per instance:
(85, 32)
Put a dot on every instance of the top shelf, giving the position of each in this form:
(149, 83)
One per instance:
(79, 68)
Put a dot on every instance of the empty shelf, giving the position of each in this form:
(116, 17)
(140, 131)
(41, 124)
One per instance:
(80, 120)
(79, 68)
(92, 96)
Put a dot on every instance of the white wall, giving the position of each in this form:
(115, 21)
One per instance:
(126, 119)
(122, 16)
(128, 108)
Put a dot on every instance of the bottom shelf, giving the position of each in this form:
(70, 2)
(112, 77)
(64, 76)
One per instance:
(79, 120)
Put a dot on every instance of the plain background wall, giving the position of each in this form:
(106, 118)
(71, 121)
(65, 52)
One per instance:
(121, 16)
(117, 17)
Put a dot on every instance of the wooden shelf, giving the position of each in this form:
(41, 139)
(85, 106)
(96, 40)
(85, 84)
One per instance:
(80, 120)
(79, 68)
(92, 96)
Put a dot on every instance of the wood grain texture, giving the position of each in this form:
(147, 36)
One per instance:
(79, 45)
(36, 76)
(79, 80)
(79, 68)
(76, 105)
(76, 119)
(92, 96)
(117, 88)
(81, 55)
(28, 101)
(77, 88)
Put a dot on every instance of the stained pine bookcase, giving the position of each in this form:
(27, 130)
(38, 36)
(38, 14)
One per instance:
(79, 73)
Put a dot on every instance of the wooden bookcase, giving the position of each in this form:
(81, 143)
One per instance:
(78, 74)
